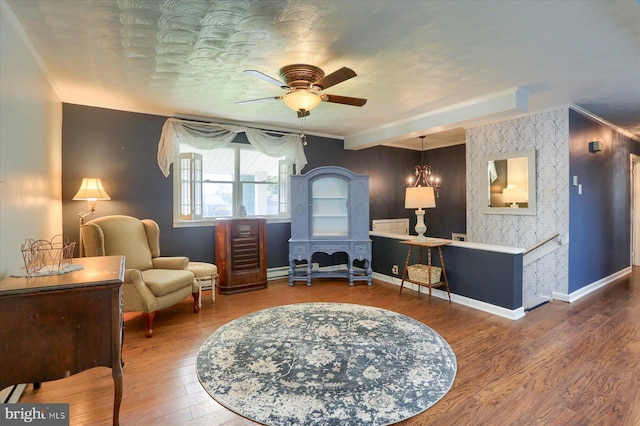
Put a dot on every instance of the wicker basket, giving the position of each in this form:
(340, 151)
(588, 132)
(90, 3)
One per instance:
(42, 257)
(419, 272)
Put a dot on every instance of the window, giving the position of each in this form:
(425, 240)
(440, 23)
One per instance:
(221, 182)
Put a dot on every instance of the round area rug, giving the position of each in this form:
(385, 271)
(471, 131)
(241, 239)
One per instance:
(326, 364)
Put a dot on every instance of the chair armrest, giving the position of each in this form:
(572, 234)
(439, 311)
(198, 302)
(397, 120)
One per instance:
(132, 275)
(169, 262)
(146, 299)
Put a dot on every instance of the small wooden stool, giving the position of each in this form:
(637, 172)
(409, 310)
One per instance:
(205, 272)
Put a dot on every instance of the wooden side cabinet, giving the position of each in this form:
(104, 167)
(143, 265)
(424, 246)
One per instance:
(52, 327)
(241, 254)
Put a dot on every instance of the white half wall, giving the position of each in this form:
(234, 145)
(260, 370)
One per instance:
(30, 147)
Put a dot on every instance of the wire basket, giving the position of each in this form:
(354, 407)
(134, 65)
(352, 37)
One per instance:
(420, 272)
(42, 257)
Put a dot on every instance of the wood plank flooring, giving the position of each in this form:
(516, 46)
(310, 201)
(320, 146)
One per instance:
(563, 364)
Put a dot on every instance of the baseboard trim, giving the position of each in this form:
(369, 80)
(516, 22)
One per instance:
(277, 273)
(580, 293)
(512, 314)
(12, 394)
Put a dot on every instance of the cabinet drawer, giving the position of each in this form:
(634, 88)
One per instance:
(330, 247)
(298, 249)
(361, 248)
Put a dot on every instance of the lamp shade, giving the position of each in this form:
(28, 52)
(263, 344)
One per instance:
(513, 194)
(91, 189)
(419, 197)
(301, 99)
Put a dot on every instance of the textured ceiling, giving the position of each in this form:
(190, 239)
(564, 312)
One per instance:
(426, 67)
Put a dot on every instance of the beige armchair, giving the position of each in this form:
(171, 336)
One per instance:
(151, 282)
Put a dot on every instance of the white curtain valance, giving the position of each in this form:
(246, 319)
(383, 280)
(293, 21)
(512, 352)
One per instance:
(213, 136)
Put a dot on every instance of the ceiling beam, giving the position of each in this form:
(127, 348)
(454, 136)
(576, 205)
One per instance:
(499, 105)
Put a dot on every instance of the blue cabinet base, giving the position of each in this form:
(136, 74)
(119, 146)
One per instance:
(301, 267)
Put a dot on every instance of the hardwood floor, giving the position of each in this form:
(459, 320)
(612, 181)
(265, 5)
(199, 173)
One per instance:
(573, 364)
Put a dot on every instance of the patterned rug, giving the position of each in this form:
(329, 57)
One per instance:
(326, 364)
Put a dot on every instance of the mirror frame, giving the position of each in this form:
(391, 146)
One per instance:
(531, 176)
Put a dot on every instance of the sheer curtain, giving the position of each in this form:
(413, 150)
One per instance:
(213, 136)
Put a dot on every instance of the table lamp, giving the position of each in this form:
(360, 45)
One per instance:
(420, 197)
(513, 195)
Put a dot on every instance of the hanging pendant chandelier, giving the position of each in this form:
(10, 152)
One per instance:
(422, 194)
(423, 175)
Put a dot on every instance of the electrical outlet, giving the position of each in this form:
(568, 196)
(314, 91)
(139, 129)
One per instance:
(394, 269)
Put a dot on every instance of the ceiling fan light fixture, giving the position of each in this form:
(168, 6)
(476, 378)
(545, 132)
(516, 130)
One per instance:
(301, 99)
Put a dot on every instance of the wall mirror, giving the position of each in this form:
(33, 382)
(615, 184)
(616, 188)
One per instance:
(509, 183)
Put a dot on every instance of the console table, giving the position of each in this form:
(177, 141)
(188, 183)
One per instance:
(55, 326)
(428, 244)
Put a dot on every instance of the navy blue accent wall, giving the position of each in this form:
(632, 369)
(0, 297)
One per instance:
(467, 270)
(450, 165)
(599, 219)
(490, 277)
(121, 148)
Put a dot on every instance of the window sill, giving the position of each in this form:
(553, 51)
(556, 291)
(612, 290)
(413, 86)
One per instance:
(212, 222)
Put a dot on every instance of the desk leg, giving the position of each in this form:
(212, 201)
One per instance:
(406, 265)
(117, 324)
(116, 372)
(444, 273)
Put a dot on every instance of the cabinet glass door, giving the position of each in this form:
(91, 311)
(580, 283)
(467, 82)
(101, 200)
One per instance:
(329, 207)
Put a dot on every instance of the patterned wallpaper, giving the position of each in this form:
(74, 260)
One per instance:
(548, 134)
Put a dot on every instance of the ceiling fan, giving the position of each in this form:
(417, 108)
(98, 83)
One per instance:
(303, 84)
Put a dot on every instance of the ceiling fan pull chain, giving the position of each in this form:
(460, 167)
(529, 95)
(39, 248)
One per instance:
(303, 136)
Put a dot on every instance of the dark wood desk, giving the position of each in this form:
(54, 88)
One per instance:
(428, 244)
(55, 326)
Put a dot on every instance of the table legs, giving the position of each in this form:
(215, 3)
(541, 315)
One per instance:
(444, 272)
(406, 265)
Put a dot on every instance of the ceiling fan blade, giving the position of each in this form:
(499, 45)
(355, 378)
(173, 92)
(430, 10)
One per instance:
(335, 77)
(346, 100)
(267, 78)
(251, 101)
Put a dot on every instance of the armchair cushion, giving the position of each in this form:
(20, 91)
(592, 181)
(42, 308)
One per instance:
(165, 281)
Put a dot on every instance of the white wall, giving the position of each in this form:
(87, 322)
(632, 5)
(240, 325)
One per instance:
(30, 148)
(548, 134)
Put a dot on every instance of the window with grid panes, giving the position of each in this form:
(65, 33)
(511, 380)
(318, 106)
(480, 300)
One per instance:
(216, 183)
